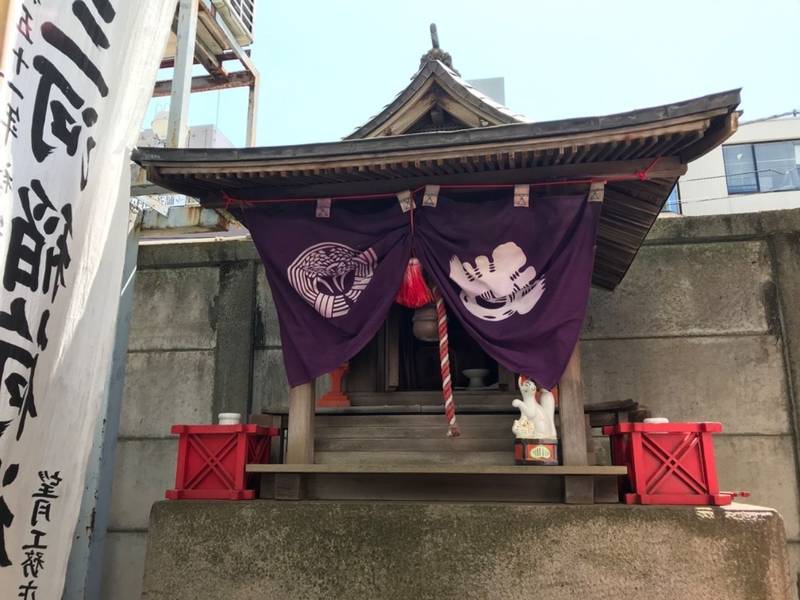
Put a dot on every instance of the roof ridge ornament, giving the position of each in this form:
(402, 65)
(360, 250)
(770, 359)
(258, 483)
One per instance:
(436, 53)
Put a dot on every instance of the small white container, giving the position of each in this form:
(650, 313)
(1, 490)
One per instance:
(656, 420)
(229, 418)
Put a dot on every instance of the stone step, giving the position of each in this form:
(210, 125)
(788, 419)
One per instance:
(440, 444)
(432, 398)
(412, 431)
(421, 457)
(413, 420)
(410, 469)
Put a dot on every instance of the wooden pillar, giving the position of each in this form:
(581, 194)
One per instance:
(300, 441)
(577, 489)
(300, 446)
(177, 126)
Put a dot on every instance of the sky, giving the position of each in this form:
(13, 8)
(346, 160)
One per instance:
(328, 65)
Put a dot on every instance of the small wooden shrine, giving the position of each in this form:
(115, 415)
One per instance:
(377, 434)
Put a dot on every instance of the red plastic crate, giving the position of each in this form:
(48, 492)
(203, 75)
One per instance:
(670, 463)
(212, 460)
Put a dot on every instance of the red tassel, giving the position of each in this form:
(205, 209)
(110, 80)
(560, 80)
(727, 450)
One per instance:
(414, 292)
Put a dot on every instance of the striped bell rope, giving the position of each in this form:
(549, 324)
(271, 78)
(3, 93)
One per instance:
(444, 361)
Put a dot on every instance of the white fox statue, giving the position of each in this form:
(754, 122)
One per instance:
(537, 417)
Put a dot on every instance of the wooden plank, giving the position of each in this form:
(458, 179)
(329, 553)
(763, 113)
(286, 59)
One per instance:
(584, 470)
(431, 443)
(169, 61)
(506, 379)
(577, 490)
(288, 486)
(402, 405)
(411, 431)
(326, 422)
(442, 458)
(490, 401)
(591, 452)
(206, 161)
(606, 490)
(718, 134)
(392, 350)
(206, 83)
(276, 444)
(667, 168)
(209, 60)
(434, 488)
(300, 443)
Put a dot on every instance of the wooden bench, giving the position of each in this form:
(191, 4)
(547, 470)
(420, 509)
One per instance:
(455, 483)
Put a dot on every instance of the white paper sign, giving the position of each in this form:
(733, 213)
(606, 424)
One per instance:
(76, 78)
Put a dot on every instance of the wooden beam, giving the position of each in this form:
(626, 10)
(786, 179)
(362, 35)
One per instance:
(577, 489)
(300, 437)
(729, 125)
(206, 83)
(169, 61)
(455, 469)
(667, 168)
(210, 62)
(385, 150)
(181, 85)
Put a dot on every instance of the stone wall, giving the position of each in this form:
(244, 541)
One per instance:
(705, 326)
(397, 551)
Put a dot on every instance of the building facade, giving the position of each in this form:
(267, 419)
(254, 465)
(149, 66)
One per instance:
(758, 168)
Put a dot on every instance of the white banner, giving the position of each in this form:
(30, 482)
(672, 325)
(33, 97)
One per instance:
(76, 79)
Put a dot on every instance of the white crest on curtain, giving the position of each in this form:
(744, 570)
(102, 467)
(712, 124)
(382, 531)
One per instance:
(496, 289)
(331, 276)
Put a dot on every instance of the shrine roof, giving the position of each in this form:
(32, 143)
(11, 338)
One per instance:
(654, 143)
(435, 85)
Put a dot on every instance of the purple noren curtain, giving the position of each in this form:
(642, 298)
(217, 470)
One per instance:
(517, 278)
(333, 280)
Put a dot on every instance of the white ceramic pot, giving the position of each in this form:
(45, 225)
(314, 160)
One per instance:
(230, 418)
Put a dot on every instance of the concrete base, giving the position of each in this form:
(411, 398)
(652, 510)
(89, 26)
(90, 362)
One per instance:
(337, 550)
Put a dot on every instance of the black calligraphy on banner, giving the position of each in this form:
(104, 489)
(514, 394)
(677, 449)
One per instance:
(6, 516)
(64, 124)
(55, 100)
(19, 385)
(28, 252)
(34, 552)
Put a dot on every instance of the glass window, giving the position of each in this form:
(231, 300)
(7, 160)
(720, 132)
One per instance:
(777, 166)
(740, 170)
(673, 203)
